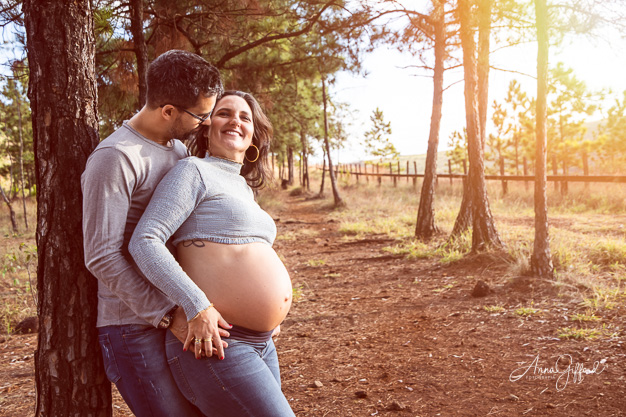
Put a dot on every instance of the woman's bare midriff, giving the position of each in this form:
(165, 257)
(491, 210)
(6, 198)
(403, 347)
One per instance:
(248, 284)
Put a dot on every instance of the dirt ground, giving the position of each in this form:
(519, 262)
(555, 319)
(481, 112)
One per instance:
(377, 334)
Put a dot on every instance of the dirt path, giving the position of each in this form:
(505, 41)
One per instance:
(376, 334)
(380, 335)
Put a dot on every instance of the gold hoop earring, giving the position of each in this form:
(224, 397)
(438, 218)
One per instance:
(258, 153)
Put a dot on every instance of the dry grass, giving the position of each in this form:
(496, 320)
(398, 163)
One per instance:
(587, 227)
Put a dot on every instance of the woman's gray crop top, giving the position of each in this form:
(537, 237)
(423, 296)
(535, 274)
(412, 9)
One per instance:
(204, 199)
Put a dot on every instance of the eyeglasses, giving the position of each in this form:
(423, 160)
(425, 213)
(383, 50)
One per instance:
(201, 119)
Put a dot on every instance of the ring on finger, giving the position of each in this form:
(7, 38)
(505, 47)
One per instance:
(207, 339)
(198, 341)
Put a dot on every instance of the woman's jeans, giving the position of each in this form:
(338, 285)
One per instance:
(135, 361)
(245, 383)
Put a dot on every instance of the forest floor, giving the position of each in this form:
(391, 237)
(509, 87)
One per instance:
(371, 333)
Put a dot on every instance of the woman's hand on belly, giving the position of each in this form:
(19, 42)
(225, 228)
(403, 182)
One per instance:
(205, 327)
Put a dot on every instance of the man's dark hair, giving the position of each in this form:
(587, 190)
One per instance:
(180, 78)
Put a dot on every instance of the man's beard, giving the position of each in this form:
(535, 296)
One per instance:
(178, 132)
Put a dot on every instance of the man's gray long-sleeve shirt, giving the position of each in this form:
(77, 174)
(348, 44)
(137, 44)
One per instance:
(118, 182)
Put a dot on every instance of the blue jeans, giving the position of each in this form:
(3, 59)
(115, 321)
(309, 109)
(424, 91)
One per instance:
(246, 383)
(135, 361)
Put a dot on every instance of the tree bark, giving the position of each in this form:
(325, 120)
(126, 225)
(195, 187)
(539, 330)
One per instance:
(541, 260)
(484, 233)
(333, 182)
(69, 373)
(141, 49)
(425, 226)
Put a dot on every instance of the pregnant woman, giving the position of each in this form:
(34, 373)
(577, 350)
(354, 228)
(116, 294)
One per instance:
(223, 242)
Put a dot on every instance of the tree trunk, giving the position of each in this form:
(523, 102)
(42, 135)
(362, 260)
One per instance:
(11, 211)
(321, 193)
(425, 226)
(141, 50)
(21, 154)
(333, 182)
(290, 168)
(540, 261)
(484, 233)
(484, 34)
(70, 378)
(464, 218)
(305, 162)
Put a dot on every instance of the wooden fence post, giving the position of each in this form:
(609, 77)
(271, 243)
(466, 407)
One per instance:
(586, 167)
(505, 184)
(450, 170)
(415, 177)
(564, 187)
(407, 171)
(525, 173)
(378, 172)
(394, 177)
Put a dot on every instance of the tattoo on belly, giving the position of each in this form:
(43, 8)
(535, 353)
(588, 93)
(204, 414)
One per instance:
(193, 242)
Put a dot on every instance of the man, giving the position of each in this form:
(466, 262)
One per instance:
(117, 184)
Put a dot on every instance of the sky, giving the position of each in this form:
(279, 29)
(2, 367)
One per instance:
(406, 99)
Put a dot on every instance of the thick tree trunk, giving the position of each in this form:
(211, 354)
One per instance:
(484, 233)
(141, 50)
(333, 182)
(425, 226)
(540, 260)
(61, 55)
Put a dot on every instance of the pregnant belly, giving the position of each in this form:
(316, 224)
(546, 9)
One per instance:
(248, 284)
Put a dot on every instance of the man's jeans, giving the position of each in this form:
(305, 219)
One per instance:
(246, 383)
(135, 361)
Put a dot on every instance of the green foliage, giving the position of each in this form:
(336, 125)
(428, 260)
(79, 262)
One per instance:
(584, 317)
(297, 292)
(587, 333)
(569, 104)
(612, 138)
(15, 133)
(527, 311)
(458, 151)
(513, 138)
(377, 140)
(315, 262)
